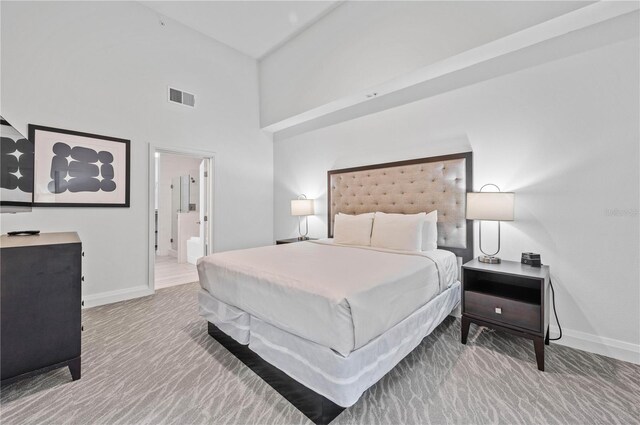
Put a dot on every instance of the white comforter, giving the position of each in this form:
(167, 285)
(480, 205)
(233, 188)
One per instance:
(338, 296)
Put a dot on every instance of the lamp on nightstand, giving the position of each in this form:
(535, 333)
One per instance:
(490, 206)
(302, 207)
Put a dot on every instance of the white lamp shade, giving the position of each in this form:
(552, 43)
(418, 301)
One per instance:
(302, 207)
(490, 206)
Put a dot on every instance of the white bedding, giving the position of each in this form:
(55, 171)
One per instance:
(340, 297)
(340, 379)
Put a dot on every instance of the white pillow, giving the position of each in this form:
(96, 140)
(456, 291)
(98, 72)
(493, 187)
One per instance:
(430, 231)
(353, 229)
(398, 231)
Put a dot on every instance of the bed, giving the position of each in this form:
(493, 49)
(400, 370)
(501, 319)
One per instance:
(320, 321)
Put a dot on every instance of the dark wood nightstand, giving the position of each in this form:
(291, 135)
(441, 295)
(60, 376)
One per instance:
(292, 240)
(511, 297)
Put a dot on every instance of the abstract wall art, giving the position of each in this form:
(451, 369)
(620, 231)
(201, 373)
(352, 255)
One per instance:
(79, 169)
(16, 168)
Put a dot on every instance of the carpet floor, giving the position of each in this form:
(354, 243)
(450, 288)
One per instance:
(151, 361)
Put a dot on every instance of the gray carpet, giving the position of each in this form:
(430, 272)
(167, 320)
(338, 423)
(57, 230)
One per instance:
(150, 361)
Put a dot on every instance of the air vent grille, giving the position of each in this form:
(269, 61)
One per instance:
(182, 97)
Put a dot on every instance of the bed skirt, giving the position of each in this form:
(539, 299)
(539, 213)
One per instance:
(338, 378)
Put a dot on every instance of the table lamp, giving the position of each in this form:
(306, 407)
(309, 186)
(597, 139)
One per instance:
(490, 206)
(302, 207)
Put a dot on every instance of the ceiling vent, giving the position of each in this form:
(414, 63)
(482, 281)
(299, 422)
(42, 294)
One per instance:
(182, 97)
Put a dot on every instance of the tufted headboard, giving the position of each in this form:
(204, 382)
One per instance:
(408, 187)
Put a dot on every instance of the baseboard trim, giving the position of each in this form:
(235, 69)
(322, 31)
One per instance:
(609, 347)
(110, 297)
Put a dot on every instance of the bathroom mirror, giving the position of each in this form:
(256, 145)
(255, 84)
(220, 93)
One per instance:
(180, 199)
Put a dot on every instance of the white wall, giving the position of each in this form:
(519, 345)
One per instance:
(171, 166)
(362, 44)
(563, 136)
(104, 68)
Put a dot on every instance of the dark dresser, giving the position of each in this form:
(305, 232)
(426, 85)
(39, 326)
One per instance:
(40, 304)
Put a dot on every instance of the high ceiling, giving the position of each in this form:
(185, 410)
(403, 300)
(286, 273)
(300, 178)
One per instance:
(253, 27)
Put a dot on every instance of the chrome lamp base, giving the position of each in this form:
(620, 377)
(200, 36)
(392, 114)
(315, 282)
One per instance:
(303, 236)
(489, 259)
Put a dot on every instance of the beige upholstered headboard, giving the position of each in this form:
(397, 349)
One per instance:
(408, 187)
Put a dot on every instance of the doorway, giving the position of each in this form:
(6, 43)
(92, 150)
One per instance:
(181, 230)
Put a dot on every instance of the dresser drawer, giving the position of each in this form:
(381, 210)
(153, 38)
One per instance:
(507, 311)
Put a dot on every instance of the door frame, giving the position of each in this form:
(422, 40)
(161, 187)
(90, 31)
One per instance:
(211, 184)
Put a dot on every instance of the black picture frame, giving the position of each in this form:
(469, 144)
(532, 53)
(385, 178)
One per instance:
(16, 198)
(89, 141)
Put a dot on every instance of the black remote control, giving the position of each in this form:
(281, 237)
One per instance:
(24, 233)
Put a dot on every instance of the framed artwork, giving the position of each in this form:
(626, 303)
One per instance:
(16, 169)
(73, 169)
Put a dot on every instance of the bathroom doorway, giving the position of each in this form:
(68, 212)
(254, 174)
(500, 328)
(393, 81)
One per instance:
(181, 219)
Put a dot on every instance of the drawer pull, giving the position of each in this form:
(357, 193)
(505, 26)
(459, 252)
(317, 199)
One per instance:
(498, 310)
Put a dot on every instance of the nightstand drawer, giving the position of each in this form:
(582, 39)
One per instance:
(508, 311)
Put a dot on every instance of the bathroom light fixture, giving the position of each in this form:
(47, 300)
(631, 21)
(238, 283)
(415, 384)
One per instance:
(490, 206)
(302, 207)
